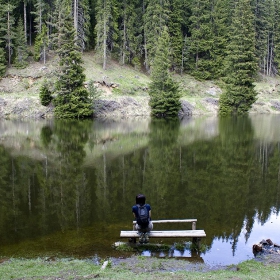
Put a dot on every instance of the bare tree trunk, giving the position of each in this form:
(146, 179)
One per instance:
(75, 12)
(30, 26)
(104, 44)
(105, 175)
(9, 40)
(267, 60)
(145, 43)
(25, 20)
(270, 56)
(124, 40)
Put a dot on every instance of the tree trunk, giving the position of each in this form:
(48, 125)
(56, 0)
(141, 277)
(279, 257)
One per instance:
(25, 21)
(104, 42)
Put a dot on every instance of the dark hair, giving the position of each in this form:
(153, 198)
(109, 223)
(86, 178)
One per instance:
(140, 199)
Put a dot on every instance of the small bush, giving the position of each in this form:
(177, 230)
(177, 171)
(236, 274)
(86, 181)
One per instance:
(45, 95)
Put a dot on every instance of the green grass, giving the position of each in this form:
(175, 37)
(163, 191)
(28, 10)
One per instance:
(149, 268)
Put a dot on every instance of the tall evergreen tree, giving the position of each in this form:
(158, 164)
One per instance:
(176, 35)
(163, 90)
(155, 20)
(40, 13)
(80, 10)
(2, 62)
(72, 99)
(20, 46)
(41, 45)
(201, 42)
(266, 25)
(221, 15)
(106, 28)
(240, 63)
(7, 30)
(276, 49)
(130, 37)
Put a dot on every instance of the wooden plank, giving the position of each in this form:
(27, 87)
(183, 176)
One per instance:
(166, 233)
(172, 221)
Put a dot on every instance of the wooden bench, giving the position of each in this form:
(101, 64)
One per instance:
(193, 233)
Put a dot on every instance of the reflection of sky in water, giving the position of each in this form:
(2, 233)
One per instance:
(221, 251)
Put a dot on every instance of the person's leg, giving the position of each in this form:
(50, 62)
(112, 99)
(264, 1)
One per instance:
(141, 233)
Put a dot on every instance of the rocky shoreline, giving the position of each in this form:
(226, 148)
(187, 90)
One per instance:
(117, 107)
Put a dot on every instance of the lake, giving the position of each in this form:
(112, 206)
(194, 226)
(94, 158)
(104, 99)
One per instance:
(67, 187)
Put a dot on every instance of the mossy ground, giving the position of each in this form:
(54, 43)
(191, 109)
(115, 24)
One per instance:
(134, 268)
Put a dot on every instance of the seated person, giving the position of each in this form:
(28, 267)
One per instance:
(142, 215)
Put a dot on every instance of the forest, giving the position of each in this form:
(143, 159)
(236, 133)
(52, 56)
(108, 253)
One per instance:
(230, 40)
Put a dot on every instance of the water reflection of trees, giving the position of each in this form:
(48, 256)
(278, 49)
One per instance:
(225, 182)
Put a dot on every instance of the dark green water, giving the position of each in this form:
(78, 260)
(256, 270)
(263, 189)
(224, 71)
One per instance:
(66, 187)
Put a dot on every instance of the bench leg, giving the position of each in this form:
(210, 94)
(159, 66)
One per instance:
(196, 241)
(132, 240)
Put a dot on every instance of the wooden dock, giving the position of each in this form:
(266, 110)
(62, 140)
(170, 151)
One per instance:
(195, 234)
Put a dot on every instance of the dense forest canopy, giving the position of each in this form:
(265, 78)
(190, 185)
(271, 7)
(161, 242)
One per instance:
(209, 39)
(128, 30)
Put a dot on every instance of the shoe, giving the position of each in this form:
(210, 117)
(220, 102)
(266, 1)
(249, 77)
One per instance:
(146, 237)
(142, 238)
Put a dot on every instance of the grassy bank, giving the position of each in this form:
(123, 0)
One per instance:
(143, 268)
(19, 90)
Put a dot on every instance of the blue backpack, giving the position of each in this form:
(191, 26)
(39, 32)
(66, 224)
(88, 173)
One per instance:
(143, 215)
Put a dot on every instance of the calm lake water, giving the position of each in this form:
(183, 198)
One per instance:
(67, 187)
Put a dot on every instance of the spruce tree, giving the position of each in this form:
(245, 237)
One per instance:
(2, 62)
(80, 10)
(71, 99)
(163, 90)
(20, 46)
(240, 63)
(176, 35)
(201, 42)
(221, 21)
(277, 37)
(155, 20)
(106, 28)
(7, 30)
(41, 45)
(130, 37)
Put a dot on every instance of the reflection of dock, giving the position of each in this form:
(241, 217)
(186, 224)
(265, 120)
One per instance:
(195, 234)
(160, 250)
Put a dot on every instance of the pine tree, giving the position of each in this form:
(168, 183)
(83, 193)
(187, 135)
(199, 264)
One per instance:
(106, 28)
(80, 10)
(265, 21)
(40, 14)
(71, 99)
(41, 45)
(130, 32)
(277, 37)
(155, 20)
(163, 91)
(221, 21)
(2, 62)
(45, 94)
(176, 35)
(21, 47)
(201, 41)
(7, 31)
(240, 63)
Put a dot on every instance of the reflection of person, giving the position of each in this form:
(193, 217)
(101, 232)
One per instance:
(143, 227)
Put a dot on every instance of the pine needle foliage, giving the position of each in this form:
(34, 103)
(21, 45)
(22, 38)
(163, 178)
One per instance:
(21, 47)
(163, 90)
(45, 94)
(2, 62)
(240, 63)
(72, 100)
